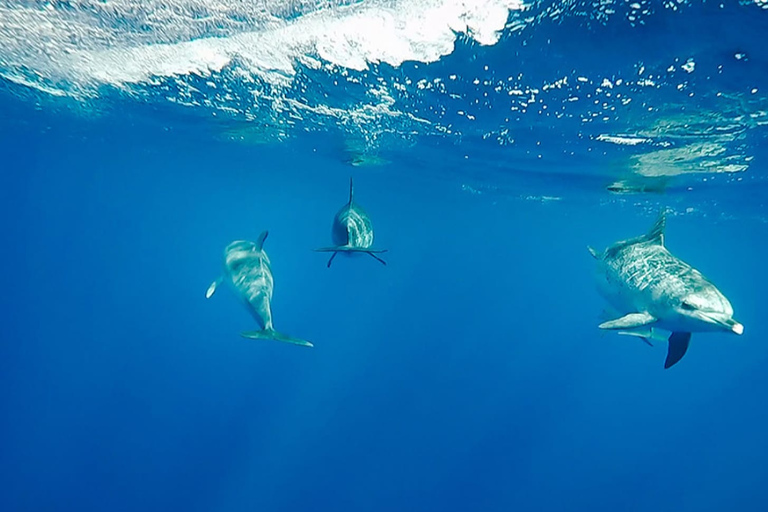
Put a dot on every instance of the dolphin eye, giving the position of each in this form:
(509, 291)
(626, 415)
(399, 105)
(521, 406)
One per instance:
(688, 306)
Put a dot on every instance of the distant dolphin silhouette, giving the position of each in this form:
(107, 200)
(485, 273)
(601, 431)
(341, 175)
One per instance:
(352, 231)
(659, 291)
(248, 270)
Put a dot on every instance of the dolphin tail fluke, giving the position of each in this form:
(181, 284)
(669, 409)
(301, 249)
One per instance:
(271, 334)
(678, 345)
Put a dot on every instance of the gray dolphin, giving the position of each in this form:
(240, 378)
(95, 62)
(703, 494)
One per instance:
(248, 270)
(656, 290)
(352, 231)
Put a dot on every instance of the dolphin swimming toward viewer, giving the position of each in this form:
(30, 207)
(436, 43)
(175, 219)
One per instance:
(247, 268)
(352, 231)
(656, 290)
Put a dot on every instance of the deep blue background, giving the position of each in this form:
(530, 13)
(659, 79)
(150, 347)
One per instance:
(468, 374)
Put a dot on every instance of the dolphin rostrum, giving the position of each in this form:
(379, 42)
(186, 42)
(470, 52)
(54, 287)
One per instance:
(248, 270)
(352, 231)
(656, 290)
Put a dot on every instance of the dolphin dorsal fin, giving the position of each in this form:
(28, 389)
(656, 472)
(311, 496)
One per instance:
(260, 240)
(656, 234)
(351, 190)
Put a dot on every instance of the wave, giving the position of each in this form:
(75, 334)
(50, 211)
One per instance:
(79, 46)
(495, 84)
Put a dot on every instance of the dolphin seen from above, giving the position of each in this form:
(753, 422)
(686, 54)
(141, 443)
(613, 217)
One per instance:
(352, 231)
(248, 270)
(656, 290)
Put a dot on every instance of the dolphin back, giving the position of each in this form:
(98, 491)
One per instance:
(655, 236)
(352, 231)
(352, 226)
(249, 270)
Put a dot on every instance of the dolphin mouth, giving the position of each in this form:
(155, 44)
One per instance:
(726, 323)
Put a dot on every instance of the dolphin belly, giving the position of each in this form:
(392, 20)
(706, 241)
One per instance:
(352, 227)
(251, 277)
(257, 296)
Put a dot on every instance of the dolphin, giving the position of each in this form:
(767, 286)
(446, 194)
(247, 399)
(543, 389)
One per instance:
(352, 231)
(657, 290)
(248, 270)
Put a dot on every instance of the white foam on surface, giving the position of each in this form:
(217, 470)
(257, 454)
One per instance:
(130, 41)
(622, 140)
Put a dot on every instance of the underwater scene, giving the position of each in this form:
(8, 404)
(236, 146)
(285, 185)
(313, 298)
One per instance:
(383, 255)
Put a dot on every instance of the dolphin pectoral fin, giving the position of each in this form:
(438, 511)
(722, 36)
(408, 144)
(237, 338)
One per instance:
(645, 333)
(269, 334)
(212, 289)
(647, 342)
(678, 345)
(334, 250)
(629, 321)
(347, 248)
(645, 336)
(350, 248)
(373, 255)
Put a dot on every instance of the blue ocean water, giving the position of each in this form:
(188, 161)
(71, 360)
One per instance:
(491, 142)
